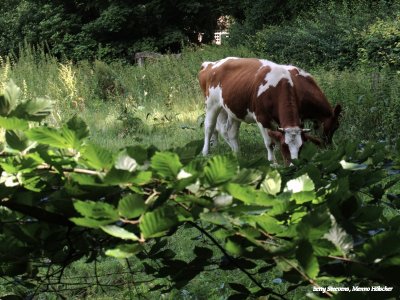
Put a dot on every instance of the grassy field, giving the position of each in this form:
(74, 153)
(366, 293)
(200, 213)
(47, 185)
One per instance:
(161, 104)
(126, 104)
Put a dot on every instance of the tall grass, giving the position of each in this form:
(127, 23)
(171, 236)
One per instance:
(162, 104)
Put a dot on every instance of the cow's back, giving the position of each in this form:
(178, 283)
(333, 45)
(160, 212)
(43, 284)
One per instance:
(239, 80)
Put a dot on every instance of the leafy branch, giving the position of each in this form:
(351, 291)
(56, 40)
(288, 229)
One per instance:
(296, 219)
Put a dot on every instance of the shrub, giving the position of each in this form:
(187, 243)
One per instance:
(380, 43)
(332, 34)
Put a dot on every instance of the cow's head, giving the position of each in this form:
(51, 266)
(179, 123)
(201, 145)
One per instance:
(331, 124)
(290, 140)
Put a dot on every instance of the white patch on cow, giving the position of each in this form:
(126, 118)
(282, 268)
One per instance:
(222, 61)
(205, 64)
(293, 140)
(228, 127)
(213, 107)
(250, 117)
(274, 76)
(303, 73)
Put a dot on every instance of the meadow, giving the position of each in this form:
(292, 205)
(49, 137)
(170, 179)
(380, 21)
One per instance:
(161, 104)
(126, 104)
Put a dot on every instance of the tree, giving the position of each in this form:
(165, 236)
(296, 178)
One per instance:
(111, 29)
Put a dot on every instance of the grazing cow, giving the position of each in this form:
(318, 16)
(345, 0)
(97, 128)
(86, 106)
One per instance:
(254, 90)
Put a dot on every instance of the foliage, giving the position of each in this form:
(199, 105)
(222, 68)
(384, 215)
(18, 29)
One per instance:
(328, 217)
(381, 44)
(79, 30)
(334, 33)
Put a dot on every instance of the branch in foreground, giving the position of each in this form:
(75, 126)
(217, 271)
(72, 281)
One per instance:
(37, 213)
(232, 259)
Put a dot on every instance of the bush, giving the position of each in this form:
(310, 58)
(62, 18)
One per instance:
(340, 34)
(380, 43)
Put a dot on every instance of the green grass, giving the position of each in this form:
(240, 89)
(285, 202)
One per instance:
(161, 104)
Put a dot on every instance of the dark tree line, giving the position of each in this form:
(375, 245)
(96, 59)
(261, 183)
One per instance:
(80, 29)
(109, 29)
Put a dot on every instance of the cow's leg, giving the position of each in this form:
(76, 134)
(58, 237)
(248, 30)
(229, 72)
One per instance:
(268, 142)
(229, 129)
(212, 110)
(233, 134)
(222, 123)
(214, 139)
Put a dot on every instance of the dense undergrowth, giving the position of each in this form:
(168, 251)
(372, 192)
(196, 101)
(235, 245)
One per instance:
(330, 219)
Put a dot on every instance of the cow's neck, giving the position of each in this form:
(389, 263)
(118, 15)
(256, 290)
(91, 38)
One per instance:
(288, 112)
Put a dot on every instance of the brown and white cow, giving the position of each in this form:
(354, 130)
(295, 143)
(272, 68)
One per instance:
(255, 90)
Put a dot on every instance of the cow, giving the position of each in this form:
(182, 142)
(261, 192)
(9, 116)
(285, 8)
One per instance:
(257, 90)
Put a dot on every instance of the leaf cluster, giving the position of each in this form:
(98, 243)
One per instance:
(328, 217)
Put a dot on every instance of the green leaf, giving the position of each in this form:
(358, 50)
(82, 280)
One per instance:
(272, 183)
(314, 225)
(233, 247)
(33, 109)
(158, 222)
(302, 189)
(215, 218)
(124, 250)
(78, 125)
(194, 199)
(138, 152)
(125, 162)
(96, 210)
(49, 136)
(141, 177)
(91, 223)
(220, 169)
(96, 157)
(12, 123)
(307, 260)
(131, 206)
(381, 246)
(119, 232)
(269, 224)
(166, 164)
(9, 98)
(189, 151)
(324, 247)
(303, 197)
(249, 195)
(352, 166)
(300, 184)
(16, 139)
(4, 105)
(247, 176)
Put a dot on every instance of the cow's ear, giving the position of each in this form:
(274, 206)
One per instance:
(337, 110)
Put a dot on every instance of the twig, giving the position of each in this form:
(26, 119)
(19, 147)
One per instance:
(45, 166)
(345, 259)
(304, 275)
(97, 277)
(133, 222)
(250, 276)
